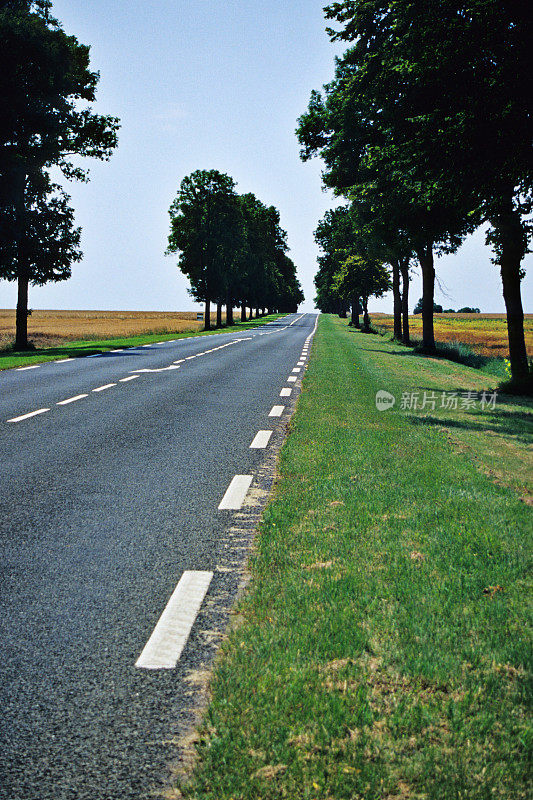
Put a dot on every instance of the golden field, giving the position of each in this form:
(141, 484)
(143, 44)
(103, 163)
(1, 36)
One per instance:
(486, 334)
(51, 328)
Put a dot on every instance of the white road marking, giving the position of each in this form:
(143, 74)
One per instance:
(296, 369)
(27, 416)
(161, 369)
(120, 350)
(261, 440)
(295, 320)
(301, 363)
(34, 366)
(276, 411)
(189, 358)
(235, 493)
(165, 645)
(291, 378)
(180, 361)
(71, 400)
(129, 378)
(106, 386)
(146, 345)
(63, 360)
(95, 355)
(286, 392)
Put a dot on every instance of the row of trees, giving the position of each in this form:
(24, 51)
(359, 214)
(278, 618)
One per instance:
(426, 130)
(46, 86)
(231, 248)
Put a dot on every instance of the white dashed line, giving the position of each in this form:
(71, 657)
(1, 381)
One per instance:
(188, 358)
(291, 378)
(285, 392)
(146, 345)
(120, 350)
(71, 400)
(165, 645)
(276, 411)
(31, 414)
(63, 360)
(296, 369)
(129, 378)
(34, 366)
(106, 386)
(235, 493)
(261, 440)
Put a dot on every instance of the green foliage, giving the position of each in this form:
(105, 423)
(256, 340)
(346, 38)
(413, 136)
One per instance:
(437, 309)
(360, 276)
(230, 246)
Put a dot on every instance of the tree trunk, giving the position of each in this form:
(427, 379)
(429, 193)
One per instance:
(355, 313)
(397, 299)
(257, 313)
(511, 239)
(404, 269)
(21, 339)
(207, 316)
(243, 312)
(425, 256)
(366, 318)
(21, 336)
(219, 314)
(229, 311)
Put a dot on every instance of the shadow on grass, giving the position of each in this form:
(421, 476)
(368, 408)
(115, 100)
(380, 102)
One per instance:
(516, 424)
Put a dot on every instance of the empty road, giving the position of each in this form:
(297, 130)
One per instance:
(113, 471)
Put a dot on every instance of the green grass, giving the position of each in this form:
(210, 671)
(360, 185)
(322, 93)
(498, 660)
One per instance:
(383, 647)
(10, 358)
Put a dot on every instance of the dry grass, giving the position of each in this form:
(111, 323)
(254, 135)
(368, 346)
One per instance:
(52, 328)
(486, 334)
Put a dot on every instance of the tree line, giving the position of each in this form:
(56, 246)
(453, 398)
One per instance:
(426, 132)
(231, 248)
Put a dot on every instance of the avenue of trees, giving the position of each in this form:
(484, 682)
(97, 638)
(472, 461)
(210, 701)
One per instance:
(46, 85)
(231, 248)
(426, 130)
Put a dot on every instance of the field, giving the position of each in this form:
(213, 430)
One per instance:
(486, 334)
(52, 328)
(382, 650)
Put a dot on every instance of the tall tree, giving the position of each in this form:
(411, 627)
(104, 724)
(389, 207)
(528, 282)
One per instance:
(44, 74)
(459, 77)
(362, 277)
(206, 230)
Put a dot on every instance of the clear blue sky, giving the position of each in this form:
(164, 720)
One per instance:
(201, 85)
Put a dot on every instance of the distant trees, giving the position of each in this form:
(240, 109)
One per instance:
(231, 248)
(437, 309)
(429, 118)
(44, 74)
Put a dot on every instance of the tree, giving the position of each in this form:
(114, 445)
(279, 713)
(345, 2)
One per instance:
(462, 79)
(437, 309)
(362, 277)
(206, 229)
(44, 74)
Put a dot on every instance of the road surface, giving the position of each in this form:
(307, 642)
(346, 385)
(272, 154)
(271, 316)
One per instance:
(113, 470)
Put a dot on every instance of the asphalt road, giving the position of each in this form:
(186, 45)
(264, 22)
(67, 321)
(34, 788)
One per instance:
(104, 502)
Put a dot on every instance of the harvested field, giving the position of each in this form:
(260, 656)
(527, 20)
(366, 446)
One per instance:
(486, 334)
(52, 328)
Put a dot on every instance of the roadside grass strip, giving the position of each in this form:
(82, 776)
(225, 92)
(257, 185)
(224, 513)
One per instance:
(94, 348)
(165, 645)
(382, 648)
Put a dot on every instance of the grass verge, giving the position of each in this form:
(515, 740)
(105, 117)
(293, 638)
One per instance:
(10, 358)
(383, 648)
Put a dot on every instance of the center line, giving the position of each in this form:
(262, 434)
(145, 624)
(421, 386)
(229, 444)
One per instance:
(106, 386)
(27, 416)
(34, 366)
(129, 378)
(276, 411)
(71, 399)
(165, 645)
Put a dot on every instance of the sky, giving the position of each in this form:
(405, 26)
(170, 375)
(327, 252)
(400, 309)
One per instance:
(210, 85)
